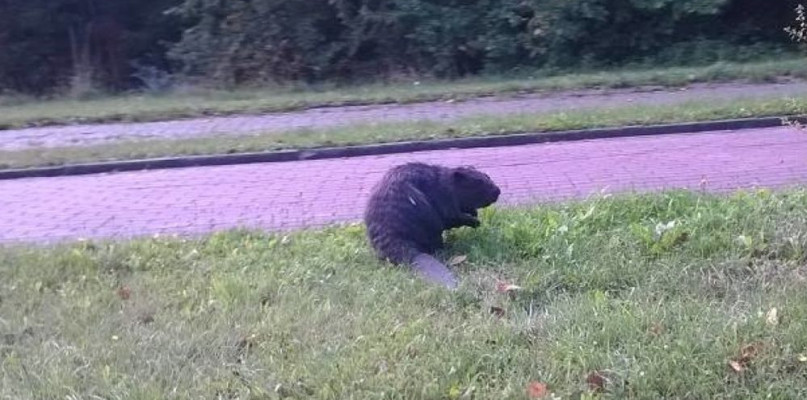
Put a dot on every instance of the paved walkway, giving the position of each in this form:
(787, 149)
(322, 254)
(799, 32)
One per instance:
(280, 196)
(83, 135)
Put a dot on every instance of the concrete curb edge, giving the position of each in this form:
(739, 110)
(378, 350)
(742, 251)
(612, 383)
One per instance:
(499, 140)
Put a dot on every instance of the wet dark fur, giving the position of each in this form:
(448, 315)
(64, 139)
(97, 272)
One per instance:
(415, 202)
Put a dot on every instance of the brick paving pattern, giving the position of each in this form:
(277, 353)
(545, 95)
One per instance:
(83, 135)
(283, 196)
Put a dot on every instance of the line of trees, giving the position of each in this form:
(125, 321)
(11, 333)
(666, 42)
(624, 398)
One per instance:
(84, 45)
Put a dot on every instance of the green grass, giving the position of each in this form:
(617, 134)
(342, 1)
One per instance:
(392, 132)
(312, 314)
(20, 113)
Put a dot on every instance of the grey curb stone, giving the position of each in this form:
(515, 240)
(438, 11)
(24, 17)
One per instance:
(499, 140)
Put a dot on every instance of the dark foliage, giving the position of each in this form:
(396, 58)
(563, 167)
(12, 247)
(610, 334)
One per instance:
(48, 44)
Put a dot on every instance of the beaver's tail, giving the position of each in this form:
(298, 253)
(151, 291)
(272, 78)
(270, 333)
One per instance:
(433, 270)
(405, 252)
(428, 267)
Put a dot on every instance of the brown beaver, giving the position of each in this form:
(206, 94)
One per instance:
(414, 203)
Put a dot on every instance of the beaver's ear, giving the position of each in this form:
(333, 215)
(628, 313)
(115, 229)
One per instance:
(460, 175)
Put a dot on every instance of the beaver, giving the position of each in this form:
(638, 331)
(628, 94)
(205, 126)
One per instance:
(413, 204)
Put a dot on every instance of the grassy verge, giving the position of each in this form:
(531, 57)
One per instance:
(176, 105)
(657, 296)
(384, 133)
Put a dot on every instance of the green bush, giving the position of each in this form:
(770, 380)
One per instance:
(237, 42)
(50, 44)
(46, 43)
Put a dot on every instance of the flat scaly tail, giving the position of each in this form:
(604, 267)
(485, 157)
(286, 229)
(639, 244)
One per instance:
(433, 270)
(405, 252)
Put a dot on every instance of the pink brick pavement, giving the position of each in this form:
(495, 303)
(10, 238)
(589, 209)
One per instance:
(282, 196)
(320, 118)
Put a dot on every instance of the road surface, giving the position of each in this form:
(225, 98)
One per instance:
(292, 195)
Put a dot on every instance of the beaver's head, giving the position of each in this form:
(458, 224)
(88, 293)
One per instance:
(474, 189)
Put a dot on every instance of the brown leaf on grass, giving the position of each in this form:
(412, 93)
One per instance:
(457, 260)
(243, 346)
(246, 342)
(537, 390)
(656, 329)
(497, 311)
(747, 354)
(596, 381)
(736, 366)
(749, 351)
(504, 287)
(124, 292)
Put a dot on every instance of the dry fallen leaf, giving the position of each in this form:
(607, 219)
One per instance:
(457, 260)
(537, 390)
(736, 366)
(596, 381)
(656, 329)
(803, 357)
(504, 287)
(497, 311)
(747, 353)
(772, 317)
(124, 292)
(246, 342)
(750, 351)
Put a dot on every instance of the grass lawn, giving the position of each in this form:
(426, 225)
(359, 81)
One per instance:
(19, 113)
(392, 132)
(656, 296)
